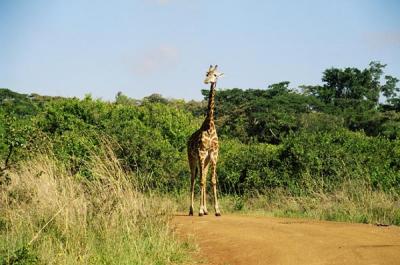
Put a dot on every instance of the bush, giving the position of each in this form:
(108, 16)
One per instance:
(248, 168)
(326, 159)
(309, 161)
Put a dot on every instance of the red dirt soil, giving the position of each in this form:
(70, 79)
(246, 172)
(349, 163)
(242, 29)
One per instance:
(249, 240)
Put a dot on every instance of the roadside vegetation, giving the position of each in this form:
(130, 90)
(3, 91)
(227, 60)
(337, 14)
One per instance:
(95, 182)
(49, 216)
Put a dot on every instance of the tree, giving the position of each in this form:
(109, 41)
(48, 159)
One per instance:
(155, 98)
(261, 115)
(120, 98)
(344, 88)
(354, 94)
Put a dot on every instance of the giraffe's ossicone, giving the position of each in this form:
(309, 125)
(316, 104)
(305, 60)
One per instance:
(203, 150)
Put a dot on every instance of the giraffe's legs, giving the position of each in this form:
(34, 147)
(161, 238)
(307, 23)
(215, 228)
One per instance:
(192, 179)
(201, 211)
(203, 166)
(207, 162)
(214, 184)
(205, 200)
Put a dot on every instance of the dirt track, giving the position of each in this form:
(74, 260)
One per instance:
(263, 240)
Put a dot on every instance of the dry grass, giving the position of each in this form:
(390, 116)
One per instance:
(351, 202)
(50, 217)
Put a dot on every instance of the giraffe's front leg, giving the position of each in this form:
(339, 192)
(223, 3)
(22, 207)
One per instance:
(203, 174)
(192, 179)
(202, 189)
(207, 163)
(201, 211)
(214, 184)
(205, 199)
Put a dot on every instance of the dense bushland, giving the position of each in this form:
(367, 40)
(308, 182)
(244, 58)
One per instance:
(150, 138)
(299, 142)
(310, 161)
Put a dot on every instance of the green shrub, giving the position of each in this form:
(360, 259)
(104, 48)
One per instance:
(248, 168)
(22, 256)
(329, 158)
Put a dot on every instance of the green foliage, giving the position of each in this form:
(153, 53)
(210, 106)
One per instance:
(343, 86)
(261, 115)
(319, 157)
(150, 137)
(354, 94)
(17, 136)
(248, 168)
(270, 138)
(22, 256)
(16, 104)
(326, 159)
(17, 131)
(125, 100)
(334, 144)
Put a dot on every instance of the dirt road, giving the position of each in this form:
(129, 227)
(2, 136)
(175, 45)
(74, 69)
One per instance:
(265, 240)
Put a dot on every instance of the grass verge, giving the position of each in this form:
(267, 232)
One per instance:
(353, 202)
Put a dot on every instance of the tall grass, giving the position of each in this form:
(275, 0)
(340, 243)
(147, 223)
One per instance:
(49, 216)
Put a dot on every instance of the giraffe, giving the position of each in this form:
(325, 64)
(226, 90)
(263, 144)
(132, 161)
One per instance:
(203, 150)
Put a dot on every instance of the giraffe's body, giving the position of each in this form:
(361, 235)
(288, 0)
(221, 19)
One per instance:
(203, 151)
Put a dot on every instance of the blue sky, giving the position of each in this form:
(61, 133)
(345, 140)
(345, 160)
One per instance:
(140, 47)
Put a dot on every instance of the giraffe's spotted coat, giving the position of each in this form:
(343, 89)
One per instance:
(203, 150)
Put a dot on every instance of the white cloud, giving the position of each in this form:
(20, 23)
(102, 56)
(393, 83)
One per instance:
(163, 2)
(160, 2)
(383, 39)
(155, 60)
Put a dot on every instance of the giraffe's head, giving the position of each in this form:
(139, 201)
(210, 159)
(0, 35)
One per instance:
(212, 75)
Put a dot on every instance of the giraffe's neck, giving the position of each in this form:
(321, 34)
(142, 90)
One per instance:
(209, 121)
